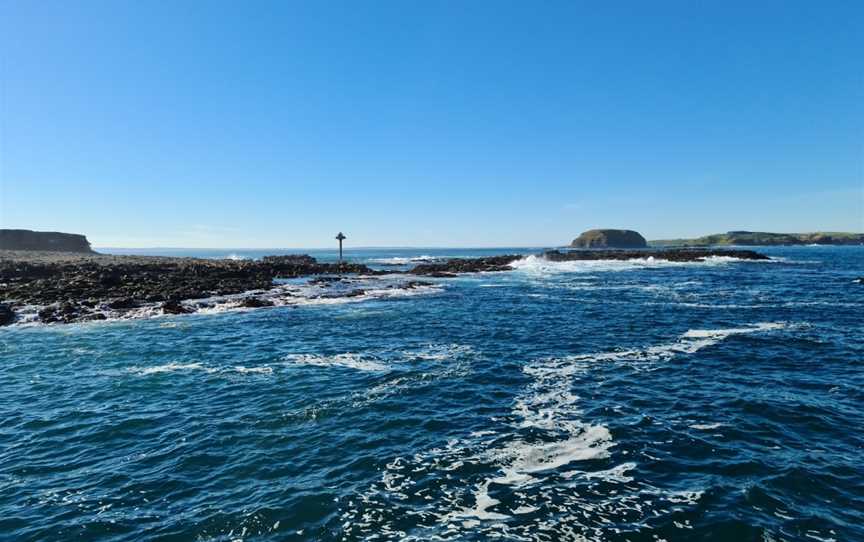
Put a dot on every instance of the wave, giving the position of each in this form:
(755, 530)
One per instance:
(169, 368)
(540, 265)
(174, 367)
(346, 360)
(237, 257)
(254, 370)
(383, 360)
(706, 426)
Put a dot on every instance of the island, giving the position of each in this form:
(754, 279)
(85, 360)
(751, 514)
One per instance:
(606, 238)
(759, 238)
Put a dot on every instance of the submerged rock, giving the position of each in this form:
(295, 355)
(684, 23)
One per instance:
(610, 239)
(255, 302)
(7, 315)
(173, 306)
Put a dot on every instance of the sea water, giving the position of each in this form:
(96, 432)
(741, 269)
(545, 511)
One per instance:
(643, 400)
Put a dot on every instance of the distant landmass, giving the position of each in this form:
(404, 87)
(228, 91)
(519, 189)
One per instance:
(605, 238)
(746, 238)
(50, 241)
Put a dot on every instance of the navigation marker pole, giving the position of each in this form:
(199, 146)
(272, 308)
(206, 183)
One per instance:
(340, 237)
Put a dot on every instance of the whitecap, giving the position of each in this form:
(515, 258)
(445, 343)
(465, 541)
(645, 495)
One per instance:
(402, 260)
(259, 370)
(347, 360)
(170, 368)
(538, 265)
(706, 426)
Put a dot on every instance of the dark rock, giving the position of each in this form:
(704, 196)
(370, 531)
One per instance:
(609, 239)
(7, 315)
(63, 312)
(43, 240)
(173, 306)
(411, 284)
(290, 259)
(324, 281)
(255, 302)
(123, 303)
(465, 265)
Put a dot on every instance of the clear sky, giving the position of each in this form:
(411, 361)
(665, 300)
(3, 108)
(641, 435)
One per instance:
(428, 123)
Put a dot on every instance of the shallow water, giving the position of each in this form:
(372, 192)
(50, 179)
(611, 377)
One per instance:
(575, 401)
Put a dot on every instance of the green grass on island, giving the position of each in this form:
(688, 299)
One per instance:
(749, 238)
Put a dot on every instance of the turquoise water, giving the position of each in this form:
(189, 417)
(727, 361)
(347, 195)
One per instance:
(573, 401)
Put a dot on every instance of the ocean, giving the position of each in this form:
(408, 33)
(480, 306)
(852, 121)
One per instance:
(584, 401)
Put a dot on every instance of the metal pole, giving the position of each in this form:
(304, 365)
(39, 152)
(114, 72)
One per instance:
(340, 237)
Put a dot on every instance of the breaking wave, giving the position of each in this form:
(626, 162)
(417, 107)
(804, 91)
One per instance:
(539, 265)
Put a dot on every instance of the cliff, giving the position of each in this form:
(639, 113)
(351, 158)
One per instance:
(753, 238)
(43, 240)
(609, 239)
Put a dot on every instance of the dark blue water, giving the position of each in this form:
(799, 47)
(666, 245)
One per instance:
(575, 401)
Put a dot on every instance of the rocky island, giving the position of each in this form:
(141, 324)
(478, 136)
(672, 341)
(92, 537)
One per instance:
(609, 239)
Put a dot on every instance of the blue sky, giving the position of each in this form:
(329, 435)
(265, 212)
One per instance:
(433, 123)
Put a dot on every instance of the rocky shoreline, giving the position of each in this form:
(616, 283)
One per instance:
(75, 287)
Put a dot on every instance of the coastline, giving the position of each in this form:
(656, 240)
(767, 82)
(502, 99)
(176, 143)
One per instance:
(63, 287)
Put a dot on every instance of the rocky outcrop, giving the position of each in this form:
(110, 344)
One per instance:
(7, 315)
(43, 240)
(449, 268)
(70, 289)
(609, 239)
(671, 255)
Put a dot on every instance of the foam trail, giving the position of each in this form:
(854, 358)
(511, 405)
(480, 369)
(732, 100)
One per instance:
(543, 435)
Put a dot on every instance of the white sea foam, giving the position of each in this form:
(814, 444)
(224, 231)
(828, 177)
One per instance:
(543, 435)
(706, 426)
(347, 360)
(236, 257)
(174, 367)
(438, 352)
(282, 295)
(170, 368)
(398, 260)
(539, 265)
(257, 370)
